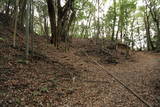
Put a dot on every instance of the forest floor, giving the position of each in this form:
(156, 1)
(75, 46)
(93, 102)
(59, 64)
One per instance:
(54, 78)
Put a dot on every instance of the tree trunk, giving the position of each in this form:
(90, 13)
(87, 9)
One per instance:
(52, 17)
(158, 35)
(155, 16)
(31, 26)
(22, 6)
(15, 25)
(7, 7)
(121, 35)
(88, 24)
(27, 28)
(118, 29)
(46, 27)
(147, 33)
(60, 19)
(31, 16)
(114, 22)
(147, 27)
(98, 21)
(132, 43)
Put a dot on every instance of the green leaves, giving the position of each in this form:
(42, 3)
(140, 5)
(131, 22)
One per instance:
(1, 39)
(44, 89)
(36, 93)
(41, 90)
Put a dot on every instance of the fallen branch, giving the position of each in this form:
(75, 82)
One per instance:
(123, 84)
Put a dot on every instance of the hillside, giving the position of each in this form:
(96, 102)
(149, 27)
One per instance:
(54, 77)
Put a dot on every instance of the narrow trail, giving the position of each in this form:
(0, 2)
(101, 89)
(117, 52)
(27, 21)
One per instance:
(142, 75)
(97, 89)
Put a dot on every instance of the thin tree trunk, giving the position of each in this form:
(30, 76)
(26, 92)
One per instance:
(98, 26)
(7, 7)
(31, 16)
(31, 26)
(15, 25)
(121, 35)
(138, 31)
(114, 22)
(132, 44)
(22, 6)
(27, 28)
(147, 27)
(89, 21)
(158, 35)
(46, 26)
(118, 29)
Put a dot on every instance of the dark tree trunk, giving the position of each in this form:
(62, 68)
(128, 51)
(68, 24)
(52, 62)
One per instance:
(51, 12)
(158, 35)
(7, 7)
(114, 22)
(60, 19)
(147, 27)
(155, 16)
(22, 12)
(121, 35)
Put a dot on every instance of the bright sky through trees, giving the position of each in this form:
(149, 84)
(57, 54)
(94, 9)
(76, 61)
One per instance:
(110, 2)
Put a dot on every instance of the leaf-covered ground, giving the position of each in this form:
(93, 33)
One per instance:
(54, 78)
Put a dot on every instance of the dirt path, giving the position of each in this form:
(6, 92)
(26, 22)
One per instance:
(97, 89)
(142, 75)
